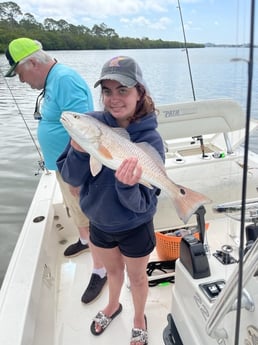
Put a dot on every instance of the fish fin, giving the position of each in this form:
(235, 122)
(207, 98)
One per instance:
(95, 166)
(105, 152)
(187, 202)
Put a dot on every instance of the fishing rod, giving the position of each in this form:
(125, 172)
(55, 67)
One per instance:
(199, 137)
(41, 160)
(250, 63)
(186, 50)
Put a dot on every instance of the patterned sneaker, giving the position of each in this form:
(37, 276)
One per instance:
(94, 288)
(76, 249)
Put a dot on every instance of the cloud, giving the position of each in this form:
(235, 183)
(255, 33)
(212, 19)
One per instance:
(94, 9)
(83, 8)
(140, 21)
(84, 12)
(160, 24)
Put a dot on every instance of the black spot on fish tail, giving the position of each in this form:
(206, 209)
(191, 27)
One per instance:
(182, 191)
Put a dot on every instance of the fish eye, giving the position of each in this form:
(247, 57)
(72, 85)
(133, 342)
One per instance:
(76, 116)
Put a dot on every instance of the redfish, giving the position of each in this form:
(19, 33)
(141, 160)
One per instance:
(110, 146)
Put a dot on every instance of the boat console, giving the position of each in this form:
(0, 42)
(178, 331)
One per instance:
(204, 305)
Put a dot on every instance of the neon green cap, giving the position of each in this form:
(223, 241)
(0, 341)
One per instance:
(19, 49)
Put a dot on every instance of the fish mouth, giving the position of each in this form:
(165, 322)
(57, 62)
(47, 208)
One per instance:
(65, 119)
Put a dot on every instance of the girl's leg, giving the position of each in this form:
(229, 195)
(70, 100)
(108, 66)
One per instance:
(114, 264)
(136, 269)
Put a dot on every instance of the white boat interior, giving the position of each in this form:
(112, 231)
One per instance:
(40, 299)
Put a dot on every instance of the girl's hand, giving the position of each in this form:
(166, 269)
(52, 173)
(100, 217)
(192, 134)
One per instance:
(129, 171)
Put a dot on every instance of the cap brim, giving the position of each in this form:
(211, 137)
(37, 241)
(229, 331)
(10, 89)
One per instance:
(123, 80)
(11, 72)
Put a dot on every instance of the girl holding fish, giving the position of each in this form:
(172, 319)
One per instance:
(119, 206)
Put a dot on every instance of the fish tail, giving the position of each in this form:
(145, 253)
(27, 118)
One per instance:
(187, 202)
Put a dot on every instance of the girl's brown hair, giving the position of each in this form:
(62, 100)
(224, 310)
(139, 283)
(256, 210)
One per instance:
(145, 105)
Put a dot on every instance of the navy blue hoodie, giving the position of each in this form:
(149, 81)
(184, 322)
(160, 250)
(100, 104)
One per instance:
(110, 205)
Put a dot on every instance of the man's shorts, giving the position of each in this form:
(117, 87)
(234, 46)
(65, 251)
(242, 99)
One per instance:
(72, 203)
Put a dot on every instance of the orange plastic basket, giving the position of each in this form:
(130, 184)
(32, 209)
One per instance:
(167, 246)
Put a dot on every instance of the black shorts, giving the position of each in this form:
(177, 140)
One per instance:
(134, 243)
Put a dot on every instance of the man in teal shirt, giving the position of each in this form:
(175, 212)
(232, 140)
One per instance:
(62, 89)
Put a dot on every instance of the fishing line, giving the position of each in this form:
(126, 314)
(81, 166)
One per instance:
(245, 172)
(41, 161)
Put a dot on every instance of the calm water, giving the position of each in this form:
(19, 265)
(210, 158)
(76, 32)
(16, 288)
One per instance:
(166, 73)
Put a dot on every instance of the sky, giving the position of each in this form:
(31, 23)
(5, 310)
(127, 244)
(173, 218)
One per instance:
(213, 21)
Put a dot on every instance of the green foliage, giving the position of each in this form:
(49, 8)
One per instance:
(60, 35)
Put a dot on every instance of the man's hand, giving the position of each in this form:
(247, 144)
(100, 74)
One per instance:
(75, 191)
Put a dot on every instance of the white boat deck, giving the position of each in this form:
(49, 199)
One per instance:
(62, 319)
(74, 317)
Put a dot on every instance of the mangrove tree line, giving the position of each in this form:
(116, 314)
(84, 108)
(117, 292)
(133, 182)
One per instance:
(61, 35)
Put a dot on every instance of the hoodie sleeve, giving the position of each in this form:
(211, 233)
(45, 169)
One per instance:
(74, 166)
(136, 198)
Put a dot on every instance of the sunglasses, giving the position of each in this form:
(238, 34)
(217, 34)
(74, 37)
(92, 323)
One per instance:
(37, 114)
